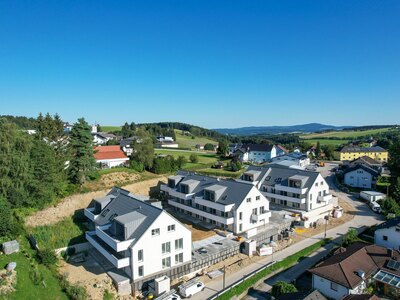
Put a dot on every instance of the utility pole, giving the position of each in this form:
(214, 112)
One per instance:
(326, 222)
(224, 277)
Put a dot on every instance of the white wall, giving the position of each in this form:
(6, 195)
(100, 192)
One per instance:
(247, 209)
(111, 163)
(152, 245)
(393, 237)
(324, 286)
(319, 187)
(358, 178)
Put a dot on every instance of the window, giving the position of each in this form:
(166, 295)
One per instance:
(334, 286)
(140, 255)
(240, 216)
(257, 197)
(179, 258)
(262, 210)
(166, 247)
(112, 217)
(166, 262)
(240, 227)
(385, 238)
(171, 227)
(140, 271)
(255, 211)
(105, 212)
(178, 244)
(248, 200)
(155, 231)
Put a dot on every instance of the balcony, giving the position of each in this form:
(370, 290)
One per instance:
(211, 204)
(89, 213)
(287, 198)
(175, 194)
(114, 258)
(219, 219)
(116, 244)
(288, 189)
(325, 198)
(263, 216)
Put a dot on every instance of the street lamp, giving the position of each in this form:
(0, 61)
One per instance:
(326, 222)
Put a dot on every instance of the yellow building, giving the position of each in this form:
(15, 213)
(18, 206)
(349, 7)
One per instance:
(377, 153)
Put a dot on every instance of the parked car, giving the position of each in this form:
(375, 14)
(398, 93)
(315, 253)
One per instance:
(375, 207)
(188, 289)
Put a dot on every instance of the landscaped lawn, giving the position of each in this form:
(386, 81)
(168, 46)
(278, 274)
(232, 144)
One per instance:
(185, 141)
(345, 134)
(204, 159)
(26, 289)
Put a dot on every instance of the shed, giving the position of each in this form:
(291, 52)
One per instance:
(10, 247)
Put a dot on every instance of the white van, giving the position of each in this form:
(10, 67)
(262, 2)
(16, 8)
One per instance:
(188, 289)
(375, 207)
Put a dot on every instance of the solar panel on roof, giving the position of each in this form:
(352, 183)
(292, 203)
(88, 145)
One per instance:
(393, 264)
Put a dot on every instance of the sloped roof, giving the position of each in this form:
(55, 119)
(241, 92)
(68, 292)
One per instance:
(389, 223)
(108, 152)
(234, 193)
(303, 295)
(362, 149)
(342, 267)
(105, 135)
(365, 160)
(365, 168)
(128, 141)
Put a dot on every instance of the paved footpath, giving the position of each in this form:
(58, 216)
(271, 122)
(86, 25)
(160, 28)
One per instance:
(363, 218)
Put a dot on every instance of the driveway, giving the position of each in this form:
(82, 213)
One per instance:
(363, 218)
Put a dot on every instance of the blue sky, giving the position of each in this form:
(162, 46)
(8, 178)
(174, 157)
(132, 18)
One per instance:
(210, 63)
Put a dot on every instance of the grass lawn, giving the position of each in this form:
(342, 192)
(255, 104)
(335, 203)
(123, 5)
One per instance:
(204, 159)
(68, 231)
(326, 142)
(26, 289)
(185, 141)
(111, 128)
(345, 134)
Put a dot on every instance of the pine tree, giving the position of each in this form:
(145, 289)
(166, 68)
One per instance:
(82, 164)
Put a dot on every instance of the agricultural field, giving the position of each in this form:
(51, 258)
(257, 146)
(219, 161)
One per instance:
(327, 142)
(110, 128)
(348, 134)
(185, 141)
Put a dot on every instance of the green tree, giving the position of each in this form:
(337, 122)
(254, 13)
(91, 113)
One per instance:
(350, 237)
(193, 158)
(82, 164)
(8, 226)
(328, 150)
(318, 150)
(180, 161)
(144, 148)
(389, 205)
(282, 287)
(223, 148)
(209, 147)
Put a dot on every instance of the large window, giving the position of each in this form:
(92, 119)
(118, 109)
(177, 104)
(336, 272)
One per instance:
(240, 216)
(166, 247)
(178, 244)
(140, 271)
(179, 258)
(166, 262)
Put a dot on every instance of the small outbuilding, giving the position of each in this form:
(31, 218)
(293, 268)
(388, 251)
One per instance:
(10, 247)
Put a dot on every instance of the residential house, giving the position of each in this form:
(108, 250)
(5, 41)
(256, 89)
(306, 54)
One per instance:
(349, 271)
(365, 161)
(297, 158)
(257, 153)
(110, 156)
(302, 295)
(141, 240)
(67, 127)
(226, 204)
(387, 234)
(162, 138)
(167, 144)
(101, 138)
(302, 192)
(351, 152)
(360, 176)
(126, 145)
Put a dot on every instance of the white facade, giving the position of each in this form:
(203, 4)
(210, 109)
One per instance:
(152, 258)
(333, 290)
(388, 237)
(111, 163)
(358, 178)
(295, 157)
(371, 196)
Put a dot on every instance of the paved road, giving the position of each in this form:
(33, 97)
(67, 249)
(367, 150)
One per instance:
(363, 218)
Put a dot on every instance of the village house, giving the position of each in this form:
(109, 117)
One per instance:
(140, 239)
(350, 270)
(387, 234)
(304, 193)
(360, 176)
(225, 204)
(126, 145)
(351, 152)
(110, 156)
(101, 138)
(256, 153)
(296, 158)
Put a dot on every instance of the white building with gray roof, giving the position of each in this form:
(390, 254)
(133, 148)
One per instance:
(226, 204)
(141, 240)
(304, 193)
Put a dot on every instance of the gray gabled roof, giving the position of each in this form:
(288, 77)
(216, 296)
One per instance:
(126, 209)
(389, 223)
(279, 174)
(362, 149)
(234, 193)
(365, 168)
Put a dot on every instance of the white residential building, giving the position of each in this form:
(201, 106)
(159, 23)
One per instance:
(360, 176)
(226, 204)
(110, 156)
(101, 138)
(296, 158)
(387, 234)
(138, 238)
(290, 188)
(256, 153)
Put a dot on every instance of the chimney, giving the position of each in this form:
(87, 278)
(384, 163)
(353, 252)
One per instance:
(390, 253)
(361, 273)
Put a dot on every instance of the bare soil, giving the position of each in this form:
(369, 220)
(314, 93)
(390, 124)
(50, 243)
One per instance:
(68, 206)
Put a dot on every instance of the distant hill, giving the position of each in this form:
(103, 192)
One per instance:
(304, 128)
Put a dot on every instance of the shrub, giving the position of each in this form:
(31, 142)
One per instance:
(47, 257)
(76, 292)
(35, 276)
(282, 287)
(134, 164)
(108, 295)
(209, 147)
(193, 158)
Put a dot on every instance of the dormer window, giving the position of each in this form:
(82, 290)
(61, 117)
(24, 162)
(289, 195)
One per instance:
(171, 183)
(184, 189)
(208, 195)
(105, 212)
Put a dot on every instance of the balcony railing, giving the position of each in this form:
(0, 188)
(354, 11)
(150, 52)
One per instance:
(287, 198)
(112, 241)
(259, 217)
(89, 213)
(324, 198)
(288, 189)
(118, 262)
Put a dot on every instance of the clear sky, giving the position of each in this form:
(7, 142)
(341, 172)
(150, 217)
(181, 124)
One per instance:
(210, 63)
